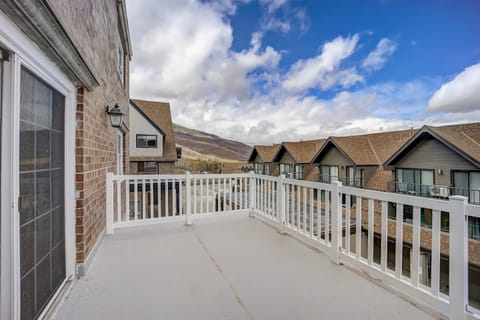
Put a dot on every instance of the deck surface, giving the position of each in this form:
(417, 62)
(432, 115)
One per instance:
(229, 267)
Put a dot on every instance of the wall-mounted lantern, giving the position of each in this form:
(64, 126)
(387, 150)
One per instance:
(116, 116)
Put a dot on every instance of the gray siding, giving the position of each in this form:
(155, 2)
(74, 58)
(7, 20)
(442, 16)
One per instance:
(335, 158)
(286, 158)
(432, 154)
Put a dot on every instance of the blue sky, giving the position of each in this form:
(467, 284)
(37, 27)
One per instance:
(264, 71)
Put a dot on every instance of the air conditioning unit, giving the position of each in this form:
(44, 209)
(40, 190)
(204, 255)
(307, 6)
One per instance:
(439, 191)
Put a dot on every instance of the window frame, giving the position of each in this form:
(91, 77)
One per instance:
(146, 144)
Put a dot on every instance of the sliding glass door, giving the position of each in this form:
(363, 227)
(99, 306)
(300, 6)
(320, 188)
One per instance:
(42, 195)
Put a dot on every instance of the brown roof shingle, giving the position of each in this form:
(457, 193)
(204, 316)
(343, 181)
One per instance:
(160, 114)
(266, 153)
(371, 149)
(303, 151)
(465, 137)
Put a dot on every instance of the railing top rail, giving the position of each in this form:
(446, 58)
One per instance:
(218, 175)
(148, 177)
(267, 178)
(310, 184)
(421, 202)
(473, 210)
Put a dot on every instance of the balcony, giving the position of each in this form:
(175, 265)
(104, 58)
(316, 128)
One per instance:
(433, 191)
(346, 181)
(240, 247)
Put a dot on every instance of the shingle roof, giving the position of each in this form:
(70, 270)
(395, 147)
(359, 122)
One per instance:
(159, 113)
(303, 151)
(266, 153)
(462, 138)
(368, 149)
(465, 137)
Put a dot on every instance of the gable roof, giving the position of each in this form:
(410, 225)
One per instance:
(301, 151)
(463, 139)
(266, 153)
(367, 149)
(159, 115)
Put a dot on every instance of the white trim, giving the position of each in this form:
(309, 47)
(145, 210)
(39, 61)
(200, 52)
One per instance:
(31, 57)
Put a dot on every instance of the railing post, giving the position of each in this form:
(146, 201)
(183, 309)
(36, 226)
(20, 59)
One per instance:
(188, 199)
(458, 269)
(282, 202)
(251, 194)
(109, 202)
(336, 221)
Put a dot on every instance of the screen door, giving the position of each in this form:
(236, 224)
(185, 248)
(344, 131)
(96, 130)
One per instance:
(42, 194)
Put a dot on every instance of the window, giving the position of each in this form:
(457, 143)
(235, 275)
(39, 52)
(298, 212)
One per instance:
(299, 172)
(285, 168)
(146, 141)
(467, 183)
(414, 181)
(120, 61)
(258, 168)
(119, 153)
(266, 169)
(328, 174)
(354, 177)
(147, 167)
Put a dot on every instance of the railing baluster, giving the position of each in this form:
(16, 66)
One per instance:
(348, 199)
(370, 230)
(194, 195)
(358, 227)
(174, 198)
(415, 257)
(201, 196)
(207, 195)
(127, 200)
(399, 241)
(180, 196)
(435, 253)
(327, 216)
(224, 194)
(167, 212)
(151, 199)
(135, 193)
(159, 198)
(119, 200)
(304, 191)
(311, 213)
(384, 243)
(297, 196)
(144, 202)
(241, 195)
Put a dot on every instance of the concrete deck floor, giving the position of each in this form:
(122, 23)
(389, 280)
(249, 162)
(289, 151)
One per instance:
(229, 267)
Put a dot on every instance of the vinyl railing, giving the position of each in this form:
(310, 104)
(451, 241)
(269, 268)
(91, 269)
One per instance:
(353, 226)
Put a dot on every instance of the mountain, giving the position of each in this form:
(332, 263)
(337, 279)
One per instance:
(202, 145)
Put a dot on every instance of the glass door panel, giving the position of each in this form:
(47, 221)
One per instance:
(42, 195)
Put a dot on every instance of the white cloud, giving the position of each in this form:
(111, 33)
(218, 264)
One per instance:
(243, 94)
(459, 95)
(324, 70)
(378, 57)
(273, 5)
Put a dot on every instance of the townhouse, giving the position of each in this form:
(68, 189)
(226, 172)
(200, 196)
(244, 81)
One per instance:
(358, 160)
(262, 159)
(152, 139)
(64, 95)
(295, 159)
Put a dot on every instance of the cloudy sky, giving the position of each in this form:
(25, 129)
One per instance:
(264, 71)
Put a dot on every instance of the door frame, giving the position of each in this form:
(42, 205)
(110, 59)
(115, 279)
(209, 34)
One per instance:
(24, 53)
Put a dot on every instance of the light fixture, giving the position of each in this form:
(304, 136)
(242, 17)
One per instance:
(116, 116)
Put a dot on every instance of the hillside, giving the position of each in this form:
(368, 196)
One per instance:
(202, 145)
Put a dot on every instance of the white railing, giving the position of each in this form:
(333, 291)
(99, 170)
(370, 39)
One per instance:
(146, 199)
(354, 226)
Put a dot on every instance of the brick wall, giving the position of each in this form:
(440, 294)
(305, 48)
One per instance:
(93, 28)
